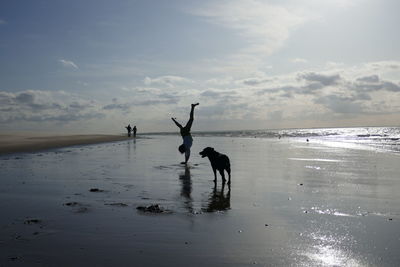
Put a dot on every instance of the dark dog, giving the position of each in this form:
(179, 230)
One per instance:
(218, 162)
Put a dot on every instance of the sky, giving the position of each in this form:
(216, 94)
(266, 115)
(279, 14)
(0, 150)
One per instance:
(93, 66)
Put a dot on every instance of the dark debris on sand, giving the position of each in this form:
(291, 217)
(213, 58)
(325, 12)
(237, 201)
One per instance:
(77, 207)
(32, 221)
(155, 208)
(95, 190)
(71, 204)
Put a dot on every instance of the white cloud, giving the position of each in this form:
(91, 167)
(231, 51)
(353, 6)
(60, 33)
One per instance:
(41, 106)
(265, 26)
(299, 60)
(219, 81)
(168, 80)
(358, 91)
(68, 63)
(324, 79)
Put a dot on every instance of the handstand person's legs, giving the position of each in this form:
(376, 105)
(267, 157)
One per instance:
(192, 110)
(191, 118)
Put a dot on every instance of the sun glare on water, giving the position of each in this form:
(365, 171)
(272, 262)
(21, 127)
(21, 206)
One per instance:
(328, 251)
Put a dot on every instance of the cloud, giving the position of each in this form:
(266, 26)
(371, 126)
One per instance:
(218, 93)
(339, 104)
(168, 80)
(41, 106)
(363, 90)
(324, 79)
(255, 81)
(156, 102)
(68, 63)
(374, 83)
(123, 107)
(210, 93)
(25, 97)
(219, 109)
(2, 22)
(384, 85)
(369, 79)
(59, 118)
(144, 97)
(264, 26)
(355, 90)
(286, 90)
(299, 60)
(220, 81)
(383, 65)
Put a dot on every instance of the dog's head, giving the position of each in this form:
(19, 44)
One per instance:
(207, 152)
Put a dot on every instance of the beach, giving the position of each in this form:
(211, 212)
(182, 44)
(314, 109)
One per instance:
(13, 143)
(291, 203)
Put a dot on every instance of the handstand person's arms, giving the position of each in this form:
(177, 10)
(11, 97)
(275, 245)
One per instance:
(177, 123)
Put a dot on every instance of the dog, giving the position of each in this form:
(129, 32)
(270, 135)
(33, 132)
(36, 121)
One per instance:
(218, 162)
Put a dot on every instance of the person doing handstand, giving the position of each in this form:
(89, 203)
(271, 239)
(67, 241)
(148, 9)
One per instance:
(186, 136)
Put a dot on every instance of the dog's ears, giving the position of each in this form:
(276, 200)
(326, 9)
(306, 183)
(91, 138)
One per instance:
(211, 148)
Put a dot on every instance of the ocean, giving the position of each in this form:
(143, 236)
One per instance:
(333, 200)
(383, 139)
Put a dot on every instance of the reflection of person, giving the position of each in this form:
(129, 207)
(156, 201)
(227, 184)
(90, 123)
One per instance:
(129, 129)
(186, 189)
(134, 131)
(185, 133)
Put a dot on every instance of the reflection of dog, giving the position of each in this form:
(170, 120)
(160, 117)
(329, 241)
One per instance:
(218, 162)
(219, 200)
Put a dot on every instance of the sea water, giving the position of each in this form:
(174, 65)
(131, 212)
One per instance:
(385, 139)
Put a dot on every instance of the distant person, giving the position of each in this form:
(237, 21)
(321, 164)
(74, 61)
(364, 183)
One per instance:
(129, 129)
(186, 136)
(134, 131)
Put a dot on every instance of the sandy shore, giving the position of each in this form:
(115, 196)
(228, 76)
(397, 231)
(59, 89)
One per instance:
(290, 204)
(29, 143)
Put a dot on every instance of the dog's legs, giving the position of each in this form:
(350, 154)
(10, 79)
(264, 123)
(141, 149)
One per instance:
(229, 174)
(215, 175)
(222, 175)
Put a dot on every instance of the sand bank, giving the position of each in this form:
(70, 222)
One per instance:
(29, 143)
(290, 204)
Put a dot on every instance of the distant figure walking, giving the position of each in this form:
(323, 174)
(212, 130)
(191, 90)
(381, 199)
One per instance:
(129, 129)
(134, 131)
(186, 136)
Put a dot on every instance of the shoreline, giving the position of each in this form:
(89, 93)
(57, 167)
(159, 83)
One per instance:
(30, 143)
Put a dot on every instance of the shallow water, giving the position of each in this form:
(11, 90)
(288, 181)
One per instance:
(386, 139)
(291, 203)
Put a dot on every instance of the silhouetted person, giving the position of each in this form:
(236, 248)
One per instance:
(186, 136)
(129, 128)
(134, 131)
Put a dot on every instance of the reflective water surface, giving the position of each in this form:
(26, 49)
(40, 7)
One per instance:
(291, 203)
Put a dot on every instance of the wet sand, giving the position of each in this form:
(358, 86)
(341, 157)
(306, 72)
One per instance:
(31, 143)
(290, 204)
